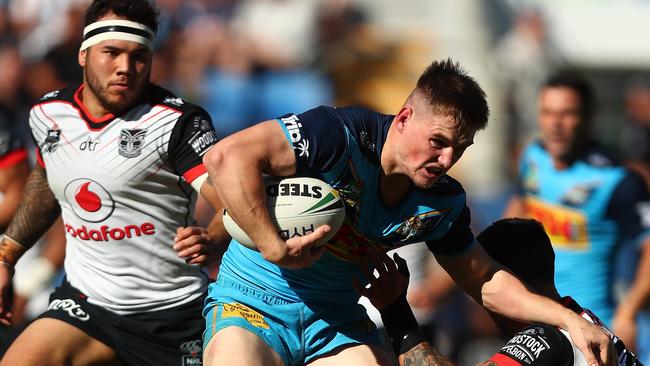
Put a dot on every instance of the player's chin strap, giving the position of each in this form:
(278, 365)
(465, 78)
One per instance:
(125, 30)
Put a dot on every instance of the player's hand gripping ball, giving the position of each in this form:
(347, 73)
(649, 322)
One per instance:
(297, 206)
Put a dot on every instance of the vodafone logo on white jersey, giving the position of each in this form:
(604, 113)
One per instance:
(89, 200)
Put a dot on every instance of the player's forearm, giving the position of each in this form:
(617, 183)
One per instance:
(423, 355)
(217, 232)
(36, 212)
(238, 183)
(505, 294)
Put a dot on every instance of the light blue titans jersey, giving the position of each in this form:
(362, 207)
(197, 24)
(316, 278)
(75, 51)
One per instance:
(342, 146)
(588, 210)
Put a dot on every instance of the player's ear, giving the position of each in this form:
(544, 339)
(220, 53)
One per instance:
(81, 57)
(403, 116)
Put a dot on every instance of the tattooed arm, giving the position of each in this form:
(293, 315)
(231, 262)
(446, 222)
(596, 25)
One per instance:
(425, 355)
(36, 212)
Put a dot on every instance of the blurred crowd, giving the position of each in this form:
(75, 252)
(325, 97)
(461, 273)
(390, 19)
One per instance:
(246, 61)
(243, 60)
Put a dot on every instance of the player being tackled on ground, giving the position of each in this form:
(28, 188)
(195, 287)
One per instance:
(391, 173)
(530, 344)
(120, 159)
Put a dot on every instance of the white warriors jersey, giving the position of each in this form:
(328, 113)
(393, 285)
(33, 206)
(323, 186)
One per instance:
(624, 357)
(123, 184)
(540, 344)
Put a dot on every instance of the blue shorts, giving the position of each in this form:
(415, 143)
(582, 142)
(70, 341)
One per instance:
(297, 331)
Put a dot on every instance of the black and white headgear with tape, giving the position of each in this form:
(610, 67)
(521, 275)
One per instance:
(125, 30)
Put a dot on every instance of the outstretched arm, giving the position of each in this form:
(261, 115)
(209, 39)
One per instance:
(501, 292)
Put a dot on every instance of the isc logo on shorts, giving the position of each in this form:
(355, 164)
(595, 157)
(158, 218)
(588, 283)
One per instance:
(191, 352)
(72, 308)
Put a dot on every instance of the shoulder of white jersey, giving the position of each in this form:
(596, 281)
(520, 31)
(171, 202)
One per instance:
(158, 95)
(63, 95)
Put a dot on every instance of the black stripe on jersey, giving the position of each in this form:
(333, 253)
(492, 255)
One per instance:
(189, 219)
(119, 28)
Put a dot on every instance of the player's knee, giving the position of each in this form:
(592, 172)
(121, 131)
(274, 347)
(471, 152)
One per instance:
(28, 352)
(234, 345)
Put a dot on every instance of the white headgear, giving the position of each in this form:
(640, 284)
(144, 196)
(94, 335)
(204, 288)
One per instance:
(117, 29)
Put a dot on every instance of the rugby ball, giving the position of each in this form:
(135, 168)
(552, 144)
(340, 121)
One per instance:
(297, 206)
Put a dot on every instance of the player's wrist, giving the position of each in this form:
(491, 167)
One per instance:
(408, 341)
(568, 320)
(398, 319)
(10, 251)
(277, 252)
(8, 267)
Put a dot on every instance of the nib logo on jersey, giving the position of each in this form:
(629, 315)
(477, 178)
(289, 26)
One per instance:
(91, 202)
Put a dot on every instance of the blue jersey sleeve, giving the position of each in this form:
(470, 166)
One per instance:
(629, 206)
(318, 139)
(458, 238)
